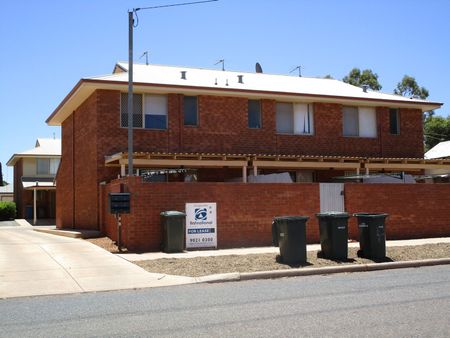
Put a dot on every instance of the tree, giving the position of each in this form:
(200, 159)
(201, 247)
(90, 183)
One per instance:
(328, 76)
(436, 129)
(409, 87)
(358, 78)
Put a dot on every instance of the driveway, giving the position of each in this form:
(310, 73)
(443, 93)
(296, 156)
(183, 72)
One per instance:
(33, 263)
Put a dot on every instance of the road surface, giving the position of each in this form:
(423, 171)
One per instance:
(391, 303)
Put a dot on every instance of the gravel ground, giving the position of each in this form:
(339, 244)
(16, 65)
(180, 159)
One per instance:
(202, 266)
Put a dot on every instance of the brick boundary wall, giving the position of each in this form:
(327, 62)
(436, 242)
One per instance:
(415, 210)
(245, 211)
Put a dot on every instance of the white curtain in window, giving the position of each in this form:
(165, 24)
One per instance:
(54, 164)
(367, 122)
(303, 118)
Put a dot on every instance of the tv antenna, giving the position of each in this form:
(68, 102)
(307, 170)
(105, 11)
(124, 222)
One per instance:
(146, 57)
(222, 62)
(299, 71)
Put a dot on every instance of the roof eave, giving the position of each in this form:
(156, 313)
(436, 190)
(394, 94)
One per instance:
(88, 86)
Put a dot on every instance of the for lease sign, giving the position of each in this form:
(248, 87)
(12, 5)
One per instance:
(201, 225)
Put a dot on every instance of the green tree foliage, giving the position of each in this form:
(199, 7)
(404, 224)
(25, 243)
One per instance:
(436, 129)
(328, 76)
(7, 210)
(358, 78)
(409, 87)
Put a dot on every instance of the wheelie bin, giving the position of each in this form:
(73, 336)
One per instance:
(372, 235)
(173, 223)
(333, 227)
(290, 232)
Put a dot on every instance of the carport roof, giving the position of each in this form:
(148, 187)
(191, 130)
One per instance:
(199, 160)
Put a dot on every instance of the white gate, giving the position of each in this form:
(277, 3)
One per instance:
(332, 197)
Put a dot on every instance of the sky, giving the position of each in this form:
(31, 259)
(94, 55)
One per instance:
(48, 46)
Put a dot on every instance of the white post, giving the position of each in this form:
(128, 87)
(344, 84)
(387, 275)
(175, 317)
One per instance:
(367, 171)
(255, 170)
(34, 206)
(122, 170)
(357, 171)
(244, 174)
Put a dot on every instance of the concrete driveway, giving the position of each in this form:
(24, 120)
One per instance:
(33, 263)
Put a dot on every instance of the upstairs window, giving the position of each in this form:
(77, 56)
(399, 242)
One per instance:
(359, 121)
(190, 110)
(54, 164)
(394, 122)
(47, 166)
(137, 110)
(295, 118)
(285, 118)
(351, 121)
(155, 111)
(43, 166)
(149, 111)
(254, 114)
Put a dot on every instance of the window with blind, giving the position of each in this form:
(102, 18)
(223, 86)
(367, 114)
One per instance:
(155, 111)
(394, 123)
(149, 111)
(190, 111)
(294, 118)
(359, 121)
(254, 114)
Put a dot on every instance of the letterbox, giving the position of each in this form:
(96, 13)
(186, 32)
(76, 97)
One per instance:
(119, 203)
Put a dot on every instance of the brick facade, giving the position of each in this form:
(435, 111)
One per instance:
(93, 131)
(245, 211)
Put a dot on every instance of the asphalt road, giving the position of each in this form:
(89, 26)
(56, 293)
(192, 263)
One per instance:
(391, 303)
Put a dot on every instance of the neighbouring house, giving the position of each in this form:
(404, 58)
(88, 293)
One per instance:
(6, 193)
(34, 179)
(439, 151)
(236, 138)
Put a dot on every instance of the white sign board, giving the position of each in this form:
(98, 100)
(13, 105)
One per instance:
(201, 225)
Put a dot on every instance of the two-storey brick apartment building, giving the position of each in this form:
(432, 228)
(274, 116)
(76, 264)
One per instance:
(223, 125)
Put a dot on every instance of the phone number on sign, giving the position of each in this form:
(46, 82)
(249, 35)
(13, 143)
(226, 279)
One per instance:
(201, 240)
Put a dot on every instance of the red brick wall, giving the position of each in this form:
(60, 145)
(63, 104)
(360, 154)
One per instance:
(77, 182)
(64, 178)
(244, 211)
(223, 129)
(416, 210)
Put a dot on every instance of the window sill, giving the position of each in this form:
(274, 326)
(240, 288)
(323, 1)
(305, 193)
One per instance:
(289, 134)
(369, 137)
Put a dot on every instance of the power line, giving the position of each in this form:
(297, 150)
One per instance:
(174, 5)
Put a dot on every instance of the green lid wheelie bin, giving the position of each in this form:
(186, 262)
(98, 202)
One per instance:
(291, 233)
(372, 235)
(333, 227)
(173, 223)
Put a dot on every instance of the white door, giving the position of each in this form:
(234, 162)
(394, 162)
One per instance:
(331, 197)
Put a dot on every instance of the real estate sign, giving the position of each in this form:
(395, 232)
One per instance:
(201, 225)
